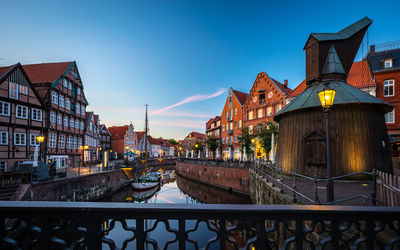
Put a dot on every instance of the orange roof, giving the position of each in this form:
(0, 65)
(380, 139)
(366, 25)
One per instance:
(359, 76)
(282, 87)
(240, 96)
(46, 72)
(139, 135)
(118, 132)
(4, 70)
(154, 141)
(198, 135)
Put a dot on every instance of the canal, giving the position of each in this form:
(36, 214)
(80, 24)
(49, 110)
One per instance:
(174, 189)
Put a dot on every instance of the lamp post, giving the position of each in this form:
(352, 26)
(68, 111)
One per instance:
(326, 97)
(40, 139)
(83, 153)
(196, 146)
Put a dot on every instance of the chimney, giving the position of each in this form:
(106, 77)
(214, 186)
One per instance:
(285, 82)
(372, 48)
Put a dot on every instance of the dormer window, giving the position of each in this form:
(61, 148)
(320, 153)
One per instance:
(388, 63)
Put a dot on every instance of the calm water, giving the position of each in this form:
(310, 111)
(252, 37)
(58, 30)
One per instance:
(174, 190)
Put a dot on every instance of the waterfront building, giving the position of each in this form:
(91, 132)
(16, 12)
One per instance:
(265, 99)
(357, 131)
(384, 61)
(60, 88)
(156, 147)
(190, 140)
(105, 141)
(213, 128)
(167, 149)
(232, 123)
(92, 138)
(123, 139)
(22, 117)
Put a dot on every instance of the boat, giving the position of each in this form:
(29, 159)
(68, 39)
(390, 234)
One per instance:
(144, 195)
(148, 180)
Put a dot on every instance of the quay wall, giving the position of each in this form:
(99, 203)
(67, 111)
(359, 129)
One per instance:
(82, 188)
(231, 176)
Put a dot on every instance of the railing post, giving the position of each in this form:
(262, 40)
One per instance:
(373, 194)
(222, 234)
(92, 237)
(299, 234)
(181, 234)
(261, 235)
(140, 233)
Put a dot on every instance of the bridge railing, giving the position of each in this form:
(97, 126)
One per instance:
(85, 225)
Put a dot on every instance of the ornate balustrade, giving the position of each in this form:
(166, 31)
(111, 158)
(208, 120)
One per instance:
(61, 225)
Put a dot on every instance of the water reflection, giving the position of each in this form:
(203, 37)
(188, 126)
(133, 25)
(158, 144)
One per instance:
(175, 189)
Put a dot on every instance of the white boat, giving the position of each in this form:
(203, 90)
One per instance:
(144, 185)
(144, 195)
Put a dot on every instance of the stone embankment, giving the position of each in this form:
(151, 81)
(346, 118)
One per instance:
(232, 176)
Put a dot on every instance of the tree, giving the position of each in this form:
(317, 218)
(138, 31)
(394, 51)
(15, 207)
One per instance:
(245, 139)
(264, 134)
(212, 143)
(173, 141)
(198, 147)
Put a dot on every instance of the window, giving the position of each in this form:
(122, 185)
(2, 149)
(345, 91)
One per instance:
(260, 113)
(278, 108)
(65, 83)
(36, 114)
(231, 126)
(223, 127)
(82, 110)
(69, 85)
(79, 91)
(79, 142)
(389, 117)
(19, 139)
(77, 124)
(33, 140)
(81, 125)
(67, 103)
(74, 143)
(251, 129)
(78, 108)
(235, 111)
(216, 132)
(3, 137)
(387, 63)
(240, 123)
(4, 108)
(61, 101)
(236, 139)
(22, 112)
(59, 119)
(66, 121)
(223, 140)
(72, 123)
(61, 141)
(54, 98)
(235, 125)
(262, 99)
(23, 89)
(69, 142)
(250, 115)
(52, 117)
(388, 88)
(13, 91)
(269, 111)
(3, 166)
(52, 140)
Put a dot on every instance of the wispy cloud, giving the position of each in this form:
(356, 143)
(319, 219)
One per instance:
(180, 123)
(182, 114)
(189, 99)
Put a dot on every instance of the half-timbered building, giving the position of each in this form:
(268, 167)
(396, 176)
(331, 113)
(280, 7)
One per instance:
(91, 142)
(105, 140)
(60, 87)
(22, 117)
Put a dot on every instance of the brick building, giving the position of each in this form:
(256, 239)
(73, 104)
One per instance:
(60, 87)
(123, 139)
(384, 61)
(213, 128)
(105, 141)
(190, 140)
(22, 117)
(266, 98)
(231, 123)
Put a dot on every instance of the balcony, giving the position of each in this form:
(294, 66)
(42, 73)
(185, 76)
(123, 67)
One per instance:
(230, 131)
(87, 225)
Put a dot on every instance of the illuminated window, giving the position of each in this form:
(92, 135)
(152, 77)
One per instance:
(13, 90)
(278, 108)
(240, 123)
(250, 115)
(23, 89)
(388, 88)
(269, 111)
(260, 113)
(251, 129)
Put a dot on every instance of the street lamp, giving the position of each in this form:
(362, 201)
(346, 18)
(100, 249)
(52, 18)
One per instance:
(83, 153)
(326, 97)
(196, 146)
(38, 151)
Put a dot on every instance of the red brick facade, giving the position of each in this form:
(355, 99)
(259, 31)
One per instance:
(213, 128)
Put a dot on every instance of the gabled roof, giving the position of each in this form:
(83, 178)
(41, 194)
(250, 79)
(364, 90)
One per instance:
(198, 135)
(118, 132)
(46, 72)
(359, 76)
(285, 90)
(376, 59)
(88, 118)
(5, 71)
(332, 63)
(344, 33)
(240, 96)
(102, 127)
(154, 141)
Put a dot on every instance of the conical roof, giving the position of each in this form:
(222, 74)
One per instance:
(345, 94)
(332, 63)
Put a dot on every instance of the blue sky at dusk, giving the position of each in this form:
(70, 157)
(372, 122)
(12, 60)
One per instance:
(180, 57)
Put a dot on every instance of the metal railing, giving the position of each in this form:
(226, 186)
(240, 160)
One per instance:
(277, 175)
(86, 225)
(387, 46)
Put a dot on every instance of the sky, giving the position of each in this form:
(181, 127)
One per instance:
(180, 57)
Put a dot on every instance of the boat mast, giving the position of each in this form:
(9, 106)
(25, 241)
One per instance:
(145, 141)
